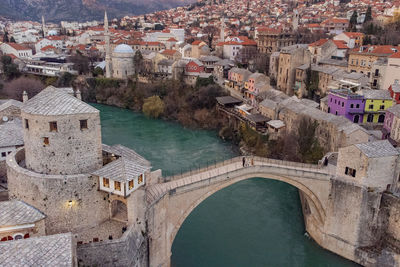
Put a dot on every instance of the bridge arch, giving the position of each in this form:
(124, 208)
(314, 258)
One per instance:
(311, 198)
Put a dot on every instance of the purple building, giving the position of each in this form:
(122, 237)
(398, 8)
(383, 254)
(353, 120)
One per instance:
(343, 102)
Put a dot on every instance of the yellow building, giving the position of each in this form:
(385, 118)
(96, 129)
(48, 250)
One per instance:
(376, 103)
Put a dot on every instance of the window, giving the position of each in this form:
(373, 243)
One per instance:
(83, 124)
(358, 106)
(46, 141)
(382, 107)
(140, 180)
(130, 184)
(352, 106)
(350, 172)
(117, 186)
(370, 118)
(106, 182)
(335, 112)
(26, 124)
(342, 104)
(371, 106)
(53, 126)
(3, 154)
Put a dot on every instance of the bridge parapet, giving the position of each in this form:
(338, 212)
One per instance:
(156, 191)
(248, 162)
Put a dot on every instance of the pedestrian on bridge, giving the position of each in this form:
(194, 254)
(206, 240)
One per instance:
(244, 161)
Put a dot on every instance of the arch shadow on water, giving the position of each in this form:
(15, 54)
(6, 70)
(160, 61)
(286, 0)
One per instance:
(255, 222)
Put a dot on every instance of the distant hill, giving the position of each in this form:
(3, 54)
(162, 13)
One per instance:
(82, 10)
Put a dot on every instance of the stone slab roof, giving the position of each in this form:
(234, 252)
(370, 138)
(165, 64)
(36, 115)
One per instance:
(54, 101)
(15, 212)
(54, 250)
(277, 124)
(10, 103)
(226, 100)
(123, 151)
(378, 149)
(395, 110)
(11, 134)
(122, 170)
(375, 94)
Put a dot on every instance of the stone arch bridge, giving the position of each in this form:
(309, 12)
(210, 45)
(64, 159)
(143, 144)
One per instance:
(171, 202)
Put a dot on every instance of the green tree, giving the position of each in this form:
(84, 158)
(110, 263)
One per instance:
(368, 15)
(98, 72)
(353, 20)
(309, 148)
(5, 37)
(153, 106)
(10, 69)
(138, 61)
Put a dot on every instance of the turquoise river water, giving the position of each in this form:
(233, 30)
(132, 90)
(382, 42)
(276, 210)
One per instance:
(257, 222)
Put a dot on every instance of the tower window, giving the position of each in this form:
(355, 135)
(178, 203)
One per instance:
(26, 124)
(117, 185)
(106, 182)
(53, 126)
(46, 141)
(130, 184)
(83, 124)
(140, 180)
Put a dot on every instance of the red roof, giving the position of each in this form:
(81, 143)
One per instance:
(395, 55)
(172, 39)
(319, 42)
(169, 52)
(197, 42)
(18, 46)
(354, 34)
(376, 49)
(49, 47)
(340, 44)
(55, 38)
(12, 56)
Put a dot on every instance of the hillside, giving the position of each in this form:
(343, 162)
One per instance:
(81, 10)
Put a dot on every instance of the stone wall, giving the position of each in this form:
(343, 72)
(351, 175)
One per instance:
(391, 205)
(130, 250)
(11, 112)
(70, 149)
(51, 194)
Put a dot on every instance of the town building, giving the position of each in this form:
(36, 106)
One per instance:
(343, 102)
(270, 40)
(376, 103)
(15, 49)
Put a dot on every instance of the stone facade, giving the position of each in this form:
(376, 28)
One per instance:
(70, 149)
(72, 203)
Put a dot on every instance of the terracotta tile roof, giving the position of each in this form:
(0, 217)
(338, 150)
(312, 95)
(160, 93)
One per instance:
(48, 47)
(169, 52)
(17, 46)
(319, 42)
(354, 34)
(340, 44)
(197, 42)
(395, 55)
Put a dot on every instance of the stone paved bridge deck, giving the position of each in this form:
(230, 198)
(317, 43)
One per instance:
(172, 183)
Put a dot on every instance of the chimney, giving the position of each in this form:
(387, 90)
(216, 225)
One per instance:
(24, 97)
(78, 94)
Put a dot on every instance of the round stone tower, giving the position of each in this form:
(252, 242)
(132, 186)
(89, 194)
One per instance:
(62, 134)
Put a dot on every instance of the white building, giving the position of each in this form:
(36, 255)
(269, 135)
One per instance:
(16, 49)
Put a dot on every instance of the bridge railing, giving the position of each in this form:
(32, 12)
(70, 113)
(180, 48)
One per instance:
(249, 161)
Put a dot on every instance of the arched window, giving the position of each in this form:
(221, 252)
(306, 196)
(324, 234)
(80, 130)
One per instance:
(381, 118)
(18, 236)
(356, 118)
(370, 118)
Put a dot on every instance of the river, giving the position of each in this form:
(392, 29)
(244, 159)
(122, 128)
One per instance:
(257, 222)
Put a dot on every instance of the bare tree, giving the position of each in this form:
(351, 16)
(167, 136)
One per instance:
(15, 88)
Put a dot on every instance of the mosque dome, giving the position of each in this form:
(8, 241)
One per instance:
(123, 48)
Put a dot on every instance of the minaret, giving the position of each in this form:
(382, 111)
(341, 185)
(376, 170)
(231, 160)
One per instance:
(44, 27)
(222, 34)
(295, 20)
(108, 50)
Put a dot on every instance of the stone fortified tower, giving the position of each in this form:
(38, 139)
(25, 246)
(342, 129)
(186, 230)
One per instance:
(62, 134)
(108, 49)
